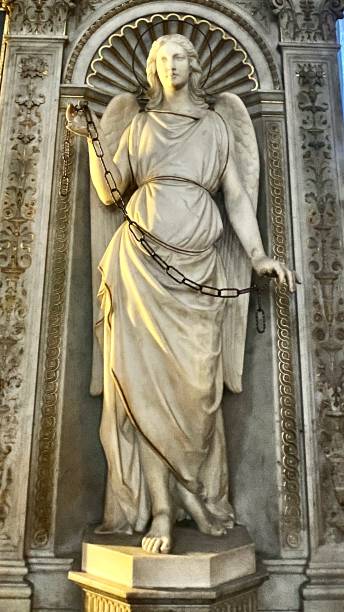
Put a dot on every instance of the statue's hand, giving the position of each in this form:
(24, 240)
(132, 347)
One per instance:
(265, 266)
(76, 121)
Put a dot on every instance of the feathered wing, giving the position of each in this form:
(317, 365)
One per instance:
(235, 260)
(105, 220)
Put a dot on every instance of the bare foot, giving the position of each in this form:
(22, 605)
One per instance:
(206, 522)
(159, 537)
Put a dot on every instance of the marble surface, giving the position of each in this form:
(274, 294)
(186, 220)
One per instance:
(198, 561)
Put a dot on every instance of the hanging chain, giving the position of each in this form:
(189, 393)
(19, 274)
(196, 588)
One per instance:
(140, 235)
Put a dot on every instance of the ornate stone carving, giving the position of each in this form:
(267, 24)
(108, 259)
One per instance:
(7, 5)
(40, 16)
(16, 237)
(308, 20)
(85, 7)
(47, 441)
(291, 497)
(259, 9)
(325, 263)
(229, 12)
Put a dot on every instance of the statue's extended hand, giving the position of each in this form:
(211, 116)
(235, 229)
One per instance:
(265, 266)
(76, 121)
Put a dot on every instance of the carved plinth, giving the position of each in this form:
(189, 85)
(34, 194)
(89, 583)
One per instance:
(203, 573)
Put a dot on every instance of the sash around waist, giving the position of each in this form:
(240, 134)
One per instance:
(181, 179)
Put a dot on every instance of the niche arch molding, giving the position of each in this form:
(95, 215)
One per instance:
(94, 32)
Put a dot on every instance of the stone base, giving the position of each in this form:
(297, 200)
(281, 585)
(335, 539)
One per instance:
(324, 589)
(202, 573)
(197, 559)
(51, 588)
(15, 591)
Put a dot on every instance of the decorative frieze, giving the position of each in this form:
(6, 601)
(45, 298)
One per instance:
(43, 500)
(325, 256)
(16, 238)
(308, 20)
(291, 495)
(40, 16)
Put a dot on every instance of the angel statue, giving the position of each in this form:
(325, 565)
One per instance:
(167, 349)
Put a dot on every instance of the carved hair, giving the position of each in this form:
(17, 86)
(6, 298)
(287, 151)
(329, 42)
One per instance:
(155, 92)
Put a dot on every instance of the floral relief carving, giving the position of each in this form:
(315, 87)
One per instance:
(16, 238)
(40, 16)
(325, 263)
(308, 20)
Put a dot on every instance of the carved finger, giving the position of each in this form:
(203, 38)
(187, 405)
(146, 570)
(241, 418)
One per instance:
(298, 278)
(291, 280)
(280, 273)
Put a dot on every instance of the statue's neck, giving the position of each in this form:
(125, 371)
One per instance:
(178, 101)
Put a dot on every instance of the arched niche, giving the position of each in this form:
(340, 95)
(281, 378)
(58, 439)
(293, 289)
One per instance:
(112, 18)
(90, 73)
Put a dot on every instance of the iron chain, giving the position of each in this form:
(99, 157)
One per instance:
(140, 234)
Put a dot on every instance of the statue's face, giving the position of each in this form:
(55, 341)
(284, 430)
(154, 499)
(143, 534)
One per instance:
(172, 65)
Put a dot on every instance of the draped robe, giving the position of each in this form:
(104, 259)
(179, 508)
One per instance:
(161, 341)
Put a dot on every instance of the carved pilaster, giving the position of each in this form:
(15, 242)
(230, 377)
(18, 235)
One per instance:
(315, 137)
(308, 20)
(39, 16)
(291, 514)
(16, 240)
(326, 262)
(28, 118)
(44, 468)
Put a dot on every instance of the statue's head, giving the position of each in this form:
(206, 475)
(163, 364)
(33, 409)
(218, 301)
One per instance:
(173, 61)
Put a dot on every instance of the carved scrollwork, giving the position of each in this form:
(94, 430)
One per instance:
(308, 20)
(47, 440)
(325, 263)
(16, 238)
(40, 16)
(291, 496)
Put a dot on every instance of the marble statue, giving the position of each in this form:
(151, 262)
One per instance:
(166, 348)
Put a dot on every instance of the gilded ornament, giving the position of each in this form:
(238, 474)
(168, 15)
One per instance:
(47, 440)
(291, 496)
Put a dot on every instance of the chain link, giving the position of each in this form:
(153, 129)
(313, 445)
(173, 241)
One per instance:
(140, 235)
